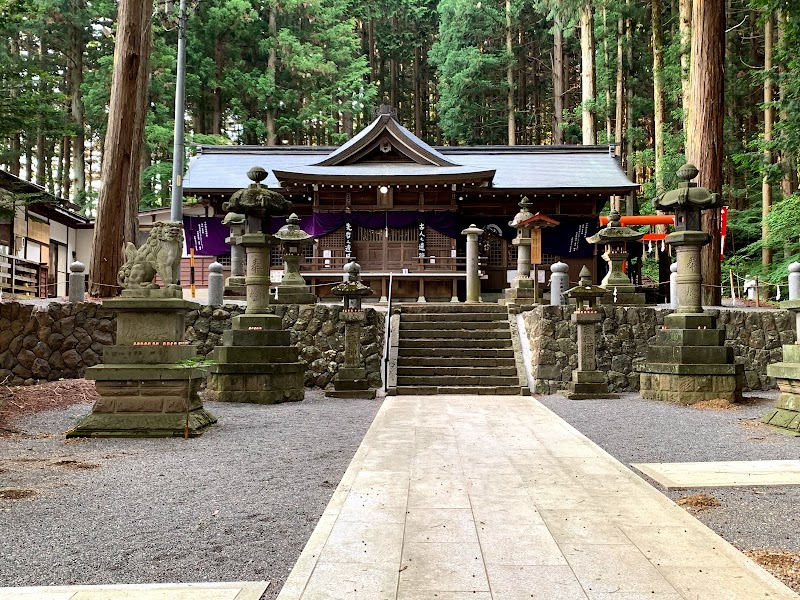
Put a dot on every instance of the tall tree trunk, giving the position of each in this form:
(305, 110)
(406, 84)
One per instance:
(658, 93)
(769, 116)
(216, 94)
(117, 210)
(417, 92)
(588, 88)
(607, 59)
(788, 159)
(559, 85)
(705, 144)
(41, 140)
(271, 72)
(620, 93)
(510, 108)
(15, 145)
(67, 162)
(685, 30)
(373, 63)
(75, 74)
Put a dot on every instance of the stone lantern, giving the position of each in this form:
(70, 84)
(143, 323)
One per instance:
(235, 285)
(293, 288)
(688, 362)
(351, 379)
(529, 252)
(256, 362)
(615, 237)
(587, 382)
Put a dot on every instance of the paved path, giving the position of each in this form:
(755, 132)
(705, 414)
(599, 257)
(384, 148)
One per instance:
(496, 498)
(246, 590)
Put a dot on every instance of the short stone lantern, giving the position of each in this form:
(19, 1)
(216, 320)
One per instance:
(587, 382)
(688, 362)
(351, 379)
(293, 288)
(615, 237)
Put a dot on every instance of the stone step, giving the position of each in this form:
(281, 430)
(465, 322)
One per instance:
(445, 371)
(456, 343)
(459, 353)
(415, 390)
(461, 317)
(435, 307)
(461, 334)
(457, 381)
(451, 324)
(447, 361)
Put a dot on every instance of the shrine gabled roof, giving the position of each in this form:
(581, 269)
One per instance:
(524, 169)
(383, 135)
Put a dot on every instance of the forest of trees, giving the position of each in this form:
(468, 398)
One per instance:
(459, 71)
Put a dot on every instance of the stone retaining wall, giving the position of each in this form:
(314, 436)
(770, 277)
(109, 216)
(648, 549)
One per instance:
(58, 341)
(622, 339)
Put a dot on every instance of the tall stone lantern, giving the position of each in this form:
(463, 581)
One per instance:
(235, 285)
(293, 288)
(689, 362)
(615, 237)
(351, 380)
(256, 362)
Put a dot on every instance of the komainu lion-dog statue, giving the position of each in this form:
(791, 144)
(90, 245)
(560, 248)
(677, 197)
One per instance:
(159, 255)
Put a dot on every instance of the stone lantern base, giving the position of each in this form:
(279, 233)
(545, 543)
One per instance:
(689, 362)
(351, 382)
(587, 385)
(256, 363)
(294, 294)
(147, 390)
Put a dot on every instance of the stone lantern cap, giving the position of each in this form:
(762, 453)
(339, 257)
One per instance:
(585, 293)
(688, 200)
(523, 215)
(291, 232)
(352, 286)
(614, 232)
(255, 200)
(538, 221)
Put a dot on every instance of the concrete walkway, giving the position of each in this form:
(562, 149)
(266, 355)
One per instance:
(496, 498)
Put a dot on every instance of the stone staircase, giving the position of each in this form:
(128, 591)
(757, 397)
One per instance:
(453, 349)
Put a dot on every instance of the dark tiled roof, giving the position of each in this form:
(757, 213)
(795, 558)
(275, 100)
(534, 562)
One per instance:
(589, 169)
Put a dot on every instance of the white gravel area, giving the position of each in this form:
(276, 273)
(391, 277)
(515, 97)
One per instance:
(634, 430)
(236, 504)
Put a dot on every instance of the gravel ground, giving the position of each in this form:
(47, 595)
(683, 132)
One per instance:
(238, 503)
(636, 431)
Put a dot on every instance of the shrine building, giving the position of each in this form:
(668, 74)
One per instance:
(398, 205)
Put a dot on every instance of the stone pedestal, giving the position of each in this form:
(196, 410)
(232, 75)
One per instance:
(351, 379)
(146, 384)
(256, 363)
(521, 290)
(786, 414)
(619, 289)
(688, 362)
(587, 382)
(293, 288)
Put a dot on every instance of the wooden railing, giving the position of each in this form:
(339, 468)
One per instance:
(417, 264)
(20, 277)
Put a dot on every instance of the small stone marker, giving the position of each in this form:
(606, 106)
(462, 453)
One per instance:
(559, 282)
(216, 284)
(77, 282)
(794, 281)
(673, 285)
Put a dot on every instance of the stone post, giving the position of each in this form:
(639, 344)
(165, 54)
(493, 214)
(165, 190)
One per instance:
(258, 246)
(216, 284)
(559, 282)
(77, 282)
(673, 285)
(794, 281)
(236, 222)
(689, 281)
(473, 280)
